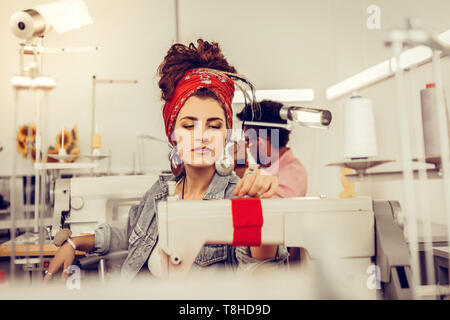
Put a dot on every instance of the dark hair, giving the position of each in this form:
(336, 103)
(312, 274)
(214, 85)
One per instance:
(270, 112)
(181, 58)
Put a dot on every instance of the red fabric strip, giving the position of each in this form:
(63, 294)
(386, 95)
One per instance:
(247, 221)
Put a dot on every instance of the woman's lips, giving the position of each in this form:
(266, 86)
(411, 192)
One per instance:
(202, 150)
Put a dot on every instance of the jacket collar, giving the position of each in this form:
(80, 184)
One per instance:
(216, 189)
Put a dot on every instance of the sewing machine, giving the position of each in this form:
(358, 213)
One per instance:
(81, 204)
(344, 238)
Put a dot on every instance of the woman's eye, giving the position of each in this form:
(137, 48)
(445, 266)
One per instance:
(188, 126)
(215, 125)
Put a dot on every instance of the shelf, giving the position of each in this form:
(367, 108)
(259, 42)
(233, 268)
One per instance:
(387, 170)
(392, 175)
(71, 166)
(361, 165)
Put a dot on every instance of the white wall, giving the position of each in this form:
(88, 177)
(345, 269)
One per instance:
(277, 44)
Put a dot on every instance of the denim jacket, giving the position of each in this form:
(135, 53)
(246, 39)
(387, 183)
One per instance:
(140, 235)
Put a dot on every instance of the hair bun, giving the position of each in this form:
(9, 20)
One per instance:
(181, 58)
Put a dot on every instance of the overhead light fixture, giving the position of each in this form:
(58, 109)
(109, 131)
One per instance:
(306, 117)
(281, 95)
(409, 58)
(63, 16)
(359, 80)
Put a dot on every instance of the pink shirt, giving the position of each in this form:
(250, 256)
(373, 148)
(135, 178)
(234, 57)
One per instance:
(292, 176)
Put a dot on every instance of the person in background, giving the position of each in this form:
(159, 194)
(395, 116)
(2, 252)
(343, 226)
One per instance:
(268, 146)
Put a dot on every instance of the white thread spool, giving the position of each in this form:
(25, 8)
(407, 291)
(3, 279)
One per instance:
(359, 128)
(430, 121)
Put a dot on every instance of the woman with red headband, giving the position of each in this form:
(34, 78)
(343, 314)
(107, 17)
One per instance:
(198, 91)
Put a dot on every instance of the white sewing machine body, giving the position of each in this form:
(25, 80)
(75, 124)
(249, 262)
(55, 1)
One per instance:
(85, 202)
(298, 222)
(340, 232)
(354, 244)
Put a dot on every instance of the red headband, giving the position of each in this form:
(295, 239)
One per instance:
(219, 83)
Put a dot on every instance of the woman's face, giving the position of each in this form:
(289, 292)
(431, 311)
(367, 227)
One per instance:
(200, 131)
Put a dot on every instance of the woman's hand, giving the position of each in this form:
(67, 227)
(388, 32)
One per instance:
(256, 184)
(64, 257)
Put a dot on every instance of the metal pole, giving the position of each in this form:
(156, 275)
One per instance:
(37, 171)
(423, 198)
(177, 19)
(94, 83)
(408, 176)
(101, 270)
(43, 173)
(13, 195)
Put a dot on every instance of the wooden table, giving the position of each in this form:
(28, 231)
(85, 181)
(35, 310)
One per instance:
(32, 250)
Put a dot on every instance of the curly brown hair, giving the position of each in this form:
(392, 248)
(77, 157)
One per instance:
(181, 58)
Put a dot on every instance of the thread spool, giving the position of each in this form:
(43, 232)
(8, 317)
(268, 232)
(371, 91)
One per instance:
(62, 16)
(96, 141)
(28, 24)
(359, 129)
(430, 121)
(349, 186)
